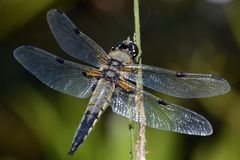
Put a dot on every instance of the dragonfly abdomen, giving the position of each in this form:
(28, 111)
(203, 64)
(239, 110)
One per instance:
(97, 105)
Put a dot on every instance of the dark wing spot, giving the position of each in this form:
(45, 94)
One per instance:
(180, 74)
(76, 30)
(60, 60)
(162, 102)
(84, 74)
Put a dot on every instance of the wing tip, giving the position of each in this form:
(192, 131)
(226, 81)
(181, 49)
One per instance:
(209, 129)
(206, 129)
(226, 85)
(53, 16)
(53, 12)
(17, 51)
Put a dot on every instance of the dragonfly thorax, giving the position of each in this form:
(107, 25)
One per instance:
(121, 56)
(115, 64)
(111, 75)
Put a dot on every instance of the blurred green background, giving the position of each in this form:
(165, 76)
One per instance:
(200, 36)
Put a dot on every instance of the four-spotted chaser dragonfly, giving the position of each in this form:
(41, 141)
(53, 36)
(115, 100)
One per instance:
(110, 81)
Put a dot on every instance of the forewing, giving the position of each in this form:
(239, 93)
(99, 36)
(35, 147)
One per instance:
(62, 75)
(160, 114)
(72, 40)
(179, 84)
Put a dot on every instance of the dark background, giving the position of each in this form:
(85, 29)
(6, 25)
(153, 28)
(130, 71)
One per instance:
(185, 35)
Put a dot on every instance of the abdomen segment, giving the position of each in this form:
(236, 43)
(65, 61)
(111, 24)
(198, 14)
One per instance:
(98, 103)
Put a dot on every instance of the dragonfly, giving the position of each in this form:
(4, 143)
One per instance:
(110, 80)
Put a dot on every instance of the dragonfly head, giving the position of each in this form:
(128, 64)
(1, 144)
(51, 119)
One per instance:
(128, 46)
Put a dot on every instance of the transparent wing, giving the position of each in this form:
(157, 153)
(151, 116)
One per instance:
(160, 114)
(72, 40)
(62, 75)
(179, 84)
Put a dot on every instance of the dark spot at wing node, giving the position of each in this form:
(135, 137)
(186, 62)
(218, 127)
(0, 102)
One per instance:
(60, 60)
(180, 74)
(162, 102)
(76, 30)
(84, 74)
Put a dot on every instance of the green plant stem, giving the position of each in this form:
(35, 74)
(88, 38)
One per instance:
(141, 143)
(137, 29)
(138, 150)
(132, 129)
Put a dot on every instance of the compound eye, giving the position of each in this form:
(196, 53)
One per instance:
(133, 49)
(122, 46)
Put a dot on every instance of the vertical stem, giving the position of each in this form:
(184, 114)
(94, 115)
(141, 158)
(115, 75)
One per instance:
(138, 151)
(132, 129)
(141, 143)
(137, 29)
